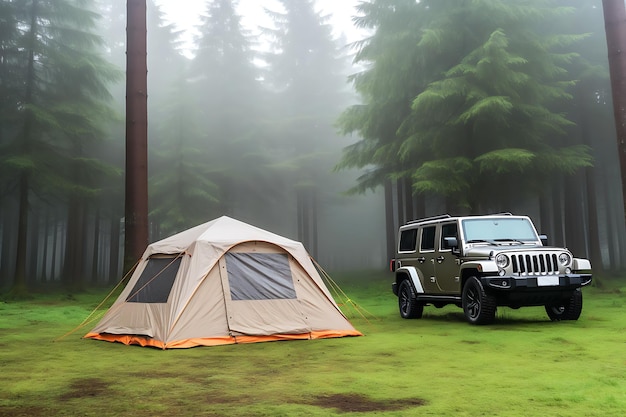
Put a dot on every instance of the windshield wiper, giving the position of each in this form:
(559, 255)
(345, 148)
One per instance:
(481, 241)
(509, 240)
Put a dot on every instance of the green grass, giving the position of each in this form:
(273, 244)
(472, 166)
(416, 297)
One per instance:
(523, 365)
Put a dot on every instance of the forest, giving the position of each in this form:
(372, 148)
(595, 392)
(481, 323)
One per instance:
(446, 106)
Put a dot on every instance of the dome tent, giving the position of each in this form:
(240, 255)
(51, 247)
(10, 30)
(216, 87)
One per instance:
(222, 282)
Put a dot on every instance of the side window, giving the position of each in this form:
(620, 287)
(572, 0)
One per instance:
(408, 239)
(428, 239)
(448, 230)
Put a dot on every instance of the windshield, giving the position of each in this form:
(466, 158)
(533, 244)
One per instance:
(498, 229)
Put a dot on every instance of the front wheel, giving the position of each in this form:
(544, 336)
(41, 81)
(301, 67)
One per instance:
(410, 308)
(478, 306)
(570, 309)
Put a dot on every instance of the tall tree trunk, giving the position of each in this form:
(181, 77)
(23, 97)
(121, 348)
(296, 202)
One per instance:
(314, 223)
(136, 213)
(615, 27)
(32, 248)
(400, 198)
(55, 245)
(407, 190)
(114, 256)
(45, 247)
(390, 226)
(75, 248)
(96, 248)
(7, 256)
(576, 226)
(19, 282)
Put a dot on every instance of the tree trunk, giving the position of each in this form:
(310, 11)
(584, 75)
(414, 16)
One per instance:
(96, 248)
(409, 200)
(390, 226)
(19, 283)
(615, 27)
(314, 224)
(114, 256)
(54, 249)
(400, 198)
(45, 248)
(32, 249)
(136, 213)
(74, 249)
(7, 255)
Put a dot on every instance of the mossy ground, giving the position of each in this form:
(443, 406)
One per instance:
(436, 366)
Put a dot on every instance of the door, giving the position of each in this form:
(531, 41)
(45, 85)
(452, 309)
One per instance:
(447, 262)
(426, 259)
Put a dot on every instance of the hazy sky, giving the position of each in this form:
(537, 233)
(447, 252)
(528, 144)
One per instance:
(185, 14)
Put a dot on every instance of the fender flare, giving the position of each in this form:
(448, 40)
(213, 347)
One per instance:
(411, 271)
(579, 264)
(486, 267)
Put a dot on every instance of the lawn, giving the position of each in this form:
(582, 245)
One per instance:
(523, 365)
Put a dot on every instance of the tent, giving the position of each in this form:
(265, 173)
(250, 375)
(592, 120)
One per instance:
(222, 282)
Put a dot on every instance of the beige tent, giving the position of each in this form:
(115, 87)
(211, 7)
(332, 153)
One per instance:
(222, 282)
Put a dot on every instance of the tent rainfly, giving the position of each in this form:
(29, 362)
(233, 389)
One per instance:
(223, 282)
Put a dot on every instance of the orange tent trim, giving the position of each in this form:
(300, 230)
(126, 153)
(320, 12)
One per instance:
(215, 341)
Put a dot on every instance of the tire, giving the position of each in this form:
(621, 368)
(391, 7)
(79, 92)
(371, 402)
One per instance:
(478, 306)
(409, 307)
(568, 310)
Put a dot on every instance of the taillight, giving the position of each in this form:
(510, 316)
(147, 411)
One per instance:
(392, 265)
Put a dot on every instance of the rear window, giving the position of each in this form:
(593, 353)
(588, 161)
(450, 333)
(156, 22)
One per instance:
(408, 239)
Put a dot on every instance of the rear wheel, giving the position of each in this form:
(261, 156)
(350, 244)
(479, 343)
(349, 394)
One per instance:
(478, 306)
(410, 308)
(567, 310)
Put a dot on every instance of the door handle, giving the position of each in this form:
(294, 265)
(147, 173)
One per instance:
(421, 260)
(440, 259)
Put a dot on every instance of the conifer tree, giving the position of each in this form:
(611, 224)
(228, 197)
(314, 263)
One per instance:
(61, 100)
(226, 91)
(460, 98)
(307, 73)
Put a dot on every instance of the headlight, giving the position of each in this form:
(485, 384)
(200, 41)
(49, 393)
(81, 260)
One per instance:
(565, 259)
(502, 261)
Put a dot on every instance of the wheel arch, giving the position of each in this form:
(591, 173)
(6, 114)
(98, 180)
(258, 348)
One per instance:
(409, 273)
(468, 272)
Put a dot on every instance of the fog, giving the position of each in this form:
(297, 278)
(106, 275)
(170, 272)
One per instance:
(287, 117)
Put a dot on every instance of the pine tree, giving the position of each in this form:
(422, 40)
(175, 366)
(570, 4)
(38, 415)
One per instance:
(307, 73)
(469, 105)
(57, 113)
(226, 91)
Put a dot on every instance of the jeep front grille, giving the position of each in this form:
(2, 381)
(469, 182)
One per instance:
(544, 263)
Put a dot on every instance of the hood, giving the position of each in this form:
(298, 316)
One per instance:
(483, 251)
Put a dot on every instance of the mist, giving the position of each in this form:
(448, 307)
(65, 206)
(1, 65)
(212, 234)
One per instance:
(289, 127)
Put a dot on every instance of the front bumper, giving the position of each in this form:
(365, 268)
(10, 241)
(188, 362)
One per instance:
(536, 282)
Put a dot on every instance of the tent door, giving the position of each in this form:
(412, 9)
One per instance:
(260, 295)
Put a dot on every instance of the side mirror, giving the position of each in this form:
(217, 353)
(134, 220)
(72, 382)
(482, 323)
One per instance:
(544, 240)
(451, 243)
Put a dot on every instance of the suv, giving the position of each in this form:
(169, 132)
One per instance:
(482, 262)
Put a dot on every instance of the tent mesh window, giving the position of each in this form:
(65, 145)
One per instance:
(156, 280)
(259, 276)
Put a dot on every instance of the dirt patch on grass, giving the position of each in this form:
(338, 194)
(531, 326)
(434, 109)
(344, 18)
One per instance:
(23, 412)
(89, 387)
(359, 403)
